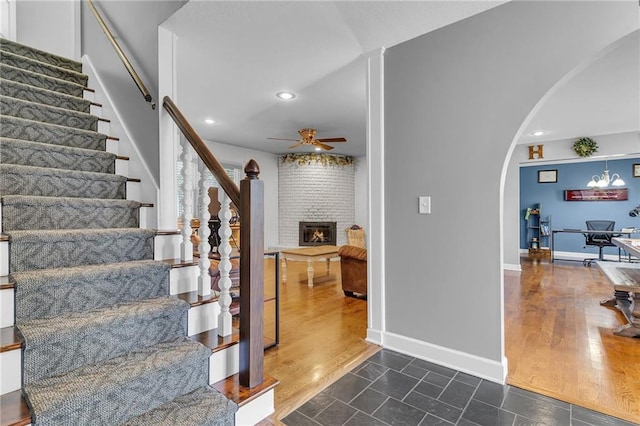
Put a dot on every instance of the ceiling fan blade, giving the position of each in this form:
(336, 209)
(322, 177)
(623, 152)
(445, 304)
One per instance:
(323, 146)
(282, 139)
(332, 140)
(296, 145)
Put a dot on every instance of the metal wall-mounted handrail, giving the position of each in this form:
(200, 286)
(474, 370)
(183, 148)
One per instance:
(127, 64)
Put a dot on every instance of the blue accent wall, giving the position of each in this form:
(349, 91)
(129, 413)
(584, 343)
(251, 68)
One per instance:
(573, 214)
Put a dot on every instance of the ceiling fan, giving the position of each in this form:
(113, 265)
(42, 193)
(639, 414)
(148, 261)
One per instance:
(307, 137)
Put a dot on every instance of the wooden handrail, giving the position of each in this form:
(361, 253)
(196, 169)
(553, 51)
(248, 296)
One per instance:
(225, 182)
(127, 64)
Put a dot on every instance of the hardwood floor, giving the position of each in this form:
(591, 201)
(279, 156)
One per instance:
(321, 336)
(559, 339)
(560, 342)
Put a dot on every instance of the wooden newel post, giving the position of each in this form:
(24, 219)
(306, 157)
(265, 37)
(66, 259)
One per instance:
(251, 277)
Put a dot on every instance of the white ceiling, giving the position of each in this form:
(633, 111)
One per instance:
(233, 56)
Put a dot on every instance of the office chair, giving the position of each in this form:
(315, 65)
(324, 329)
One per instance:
(598, 240)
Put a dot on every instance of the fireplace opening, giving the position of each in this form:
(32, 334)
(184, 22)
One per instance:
(317, 234)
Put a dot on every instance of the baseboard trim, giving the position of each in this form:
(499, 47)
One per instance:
(374, 336)
(467, 363)
(511, 267)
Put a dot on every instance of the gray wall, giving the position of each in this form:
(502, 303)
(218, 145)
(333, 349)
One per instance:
(135, 27)
(454, 102)
(51, 26)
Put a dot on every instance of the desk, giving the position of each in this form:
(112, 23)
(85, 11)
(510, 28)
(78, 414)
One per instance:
(583, 231)
(310, 254)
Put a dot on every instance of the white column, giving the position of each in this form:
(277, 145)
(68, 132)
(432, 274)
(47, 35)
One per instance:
(204, 280)
(186, 247)
(224, 248)
(375, 156)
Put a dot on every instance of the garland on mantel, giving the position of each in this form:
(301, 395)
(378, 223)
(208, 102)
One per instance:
(313, 158)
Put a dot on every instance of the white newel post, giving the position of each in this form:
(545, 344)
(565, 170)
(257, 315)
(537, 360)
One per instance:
(204, 280)
(186, 246)
(224, 249)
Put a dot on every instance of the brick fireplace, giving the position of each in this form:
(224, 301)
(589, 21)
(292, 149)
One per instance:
(315, 188)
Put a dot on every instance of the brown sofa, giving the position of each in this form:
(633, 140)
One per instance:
(353, 269)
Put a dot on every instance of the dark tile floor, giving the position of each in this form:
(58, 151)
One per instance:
(395, 389)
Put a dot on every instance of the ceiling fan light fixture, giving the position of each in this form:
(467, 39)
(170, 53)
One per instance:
(285, 96)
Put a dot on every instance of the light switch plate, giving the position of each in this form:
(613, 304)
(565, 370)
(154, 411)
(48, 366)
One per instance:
(424, 205)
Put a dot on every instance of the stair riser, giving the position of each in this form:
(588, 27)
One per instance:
(42, 96)
(39, 55)
(25, 256)
(39, 80)
(55, 157)
(49, 70)
(40, 184)
(6, 303)
(16, 128)
(10, 370)
(42, 113)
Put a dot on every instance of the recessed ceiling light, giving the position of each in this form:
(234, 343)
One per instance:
(285, 96)
(318, 149)
(538, 133)
(210, 121)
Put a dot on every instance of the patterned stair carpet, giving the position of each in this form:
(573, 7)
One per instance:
(103, 341)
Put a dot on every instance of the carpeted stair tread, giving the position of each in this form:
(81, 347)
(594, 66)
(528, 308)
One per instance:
(39, 55)
(46, 293)
(203, 407)
(38, 80)
(43, 68)
(48, 182)
(26, 153)
(36, 131)
(24, 212)
(47, 114)
(117, 389)
(47, 249)
(29, 93)
(98, 335)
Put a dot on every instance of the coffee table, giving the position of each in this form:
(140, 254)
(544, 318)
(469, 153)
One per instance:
(310, 254)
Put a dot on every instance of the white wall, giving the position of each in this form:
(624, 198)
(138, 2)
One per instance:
(233, 155)
(8, 19)
(467, 89)
(52, 26)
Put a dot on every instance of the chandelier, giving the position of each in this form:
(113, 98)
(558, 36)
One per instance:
(604, 180)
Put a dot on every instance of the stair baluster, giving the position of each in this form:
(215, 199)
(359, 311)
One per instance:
(224, 319)
(186, 246)
(204, 280)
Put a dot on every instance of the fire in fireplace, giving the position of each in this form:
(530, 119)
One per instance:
(317, 234)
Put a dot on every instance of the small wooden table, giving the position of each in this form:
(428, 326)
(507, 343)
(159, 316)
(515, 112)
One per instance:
(310, 254)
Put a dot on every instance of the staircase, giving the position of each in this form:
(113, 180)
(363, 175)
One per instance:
(97, 336)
